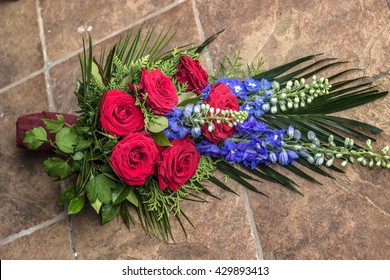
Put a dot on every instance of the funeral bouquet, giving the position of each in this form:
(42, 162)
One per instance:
(154, 126)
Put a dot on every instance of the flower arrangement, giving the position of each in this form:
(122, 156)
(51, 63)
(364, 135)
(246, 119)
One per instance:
(153, 126)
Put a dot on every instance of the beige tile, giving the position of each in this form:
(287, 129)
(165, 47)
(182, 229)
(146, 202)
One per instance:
(28, 196)
(61, 28)
(20, 48)
(49, 243)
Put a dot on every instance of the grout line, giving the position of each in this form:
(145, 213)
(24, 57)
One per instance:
(22, 80)
(249, 214)
(33, 229)
(69, 226)
(46, 73)
(209, 61)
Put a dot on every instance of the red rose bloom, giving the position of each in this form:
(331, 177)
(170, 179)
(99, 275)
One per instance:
(119, 115)
(160, 89)
(134, 158)
(189, 71)
(220, 97)
(179, 163)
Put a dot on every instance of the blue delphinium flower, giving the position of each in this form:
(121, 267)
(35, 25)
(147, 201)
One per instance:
(265, 84)
(251, 125)
(256, 154)
(233, 152)
(259, 103)
(248, 106)
(252, 85)
(238, 89)
(224, 80)
(205, 92)
(283, 157)
(176, 128)
(273, 158)
(196, 131)
(188, 109)
(207, 148)
(274, 137)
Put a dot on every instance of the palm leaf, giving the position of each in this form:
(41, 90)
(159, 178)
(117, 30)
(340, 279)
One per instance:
(315, 117)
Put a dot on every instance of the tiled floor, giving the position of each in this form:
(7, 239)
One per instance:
(346, 218)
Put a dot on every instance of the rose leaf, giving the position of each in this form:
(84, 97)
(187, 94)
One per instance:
(76, 204)
(99, 187)
(109, 212)
(158, 124)
(56, 167)
(66, 140)
(35, 137)
(161, 139)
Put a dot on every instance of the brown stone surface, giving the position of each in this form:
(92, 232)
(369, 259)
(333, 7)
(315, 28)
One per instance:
(222, 232)
(49, 243)
(27, 195)
(64, 78)
(343, 219)
(104, 17)
(346, 218)
(20, 48)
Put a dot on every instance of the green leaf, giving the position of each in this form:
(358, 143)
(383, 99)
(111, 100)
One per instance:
(66, 140)
(35, 137)
(78, 156)
(96, 74)
(109, 212)
(56, 167)
(83, 144)
(125, 214)
(132, 198)
(97, 205)
(54, 125)
(99, 187)
(158, 124)
(76, 204)
(120, 193)
(161, 139)
(66, 196)
(187, 98)
(81, 129)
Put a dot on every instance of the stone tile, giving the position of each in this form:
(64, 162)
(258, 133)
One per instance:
(222, 232)
(281, 31)
(49, 243)
(61, 28)
(64, 75)
(64, 78)
(347, 218)
(20, 48)
(333, 221)
(28, 196)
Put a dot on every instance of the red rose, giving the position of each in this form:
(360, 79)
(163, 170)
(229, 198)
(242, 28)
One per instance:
(119, 115)
(189, 71)
(160, 89)
(134, 158)
(179, 163)
(220, 97)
